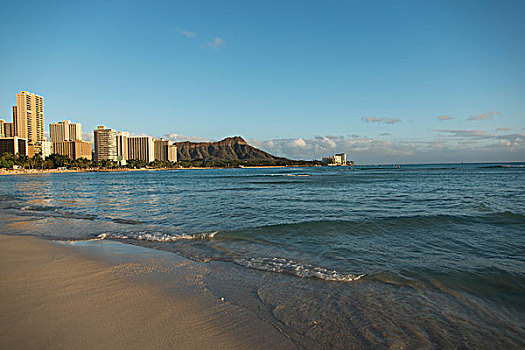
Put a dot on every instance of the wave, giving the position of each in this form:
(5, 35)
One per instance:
(8, 197)
(37, 208)
(127, 221)
(58, 212)
(316, 229)
(296, 269)
(502, 166)
(273, 182)
(158, 237)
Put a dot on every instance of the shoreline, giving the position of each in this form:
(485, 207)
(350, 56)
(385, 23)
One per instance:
(112, 295)
(65, 171)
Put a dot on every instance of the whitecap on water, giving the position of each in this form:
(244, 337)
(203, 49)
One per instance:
(296, 268)
(158, 237)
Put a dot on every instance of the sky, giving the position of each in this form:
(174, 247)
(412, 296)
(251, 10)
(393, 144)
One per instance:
(383, 81)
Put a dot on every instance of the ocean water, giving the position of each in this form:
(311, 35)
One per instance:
(422, 256)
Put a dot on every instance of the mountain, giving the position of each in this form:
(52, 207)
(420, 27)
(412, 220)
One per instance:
(229, 149)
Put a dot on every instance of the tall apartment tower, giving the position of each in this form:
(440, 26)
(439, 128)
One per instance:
(65, 131)
(47, 148)
(13, 145)
(9, 130)
(165, 150)
(28, 117)
(105, 144)
(2, 129)
(340, 159)
(122, 147)
(73, 149)
(141, 148)
(15, 111)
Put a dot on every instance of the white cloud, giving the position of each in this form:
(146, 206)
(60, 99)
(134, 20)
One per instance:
(391, 120)
(87, 136)
(215, 43)
(445, 117)
(482, 116)
(186, 33)
(132, 134)
(298, 143)
(329, 142)
(502, 129)
(373, 119)
(370, 119)
(451, 146)
(468, 133)
(180, 138)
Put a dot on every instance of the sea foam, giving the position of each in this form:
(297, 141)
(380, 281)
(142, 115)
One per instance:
(158, 237)
(296, 268)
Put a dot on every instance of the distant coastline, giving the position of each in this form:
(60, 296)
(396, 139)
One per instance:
(92, 170)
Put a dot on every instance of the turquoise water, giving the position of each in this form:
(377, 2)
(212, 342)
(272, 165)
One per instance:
(418, 256)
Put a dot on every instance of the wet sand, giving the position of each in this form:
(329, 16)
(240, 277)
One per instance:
(54, 296)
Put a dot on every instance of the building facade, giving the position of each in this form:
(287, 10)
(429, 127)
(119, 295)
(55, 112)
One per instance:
(73, 149)
(172, 153)
(2, 129)
(28, 117)
(141, 148)
(14, 118)
(338, 159)
(165, 150)
(122, 147)
(65, 131)
(105, 143)
(9, 130)
(13, 145)
(46, 148)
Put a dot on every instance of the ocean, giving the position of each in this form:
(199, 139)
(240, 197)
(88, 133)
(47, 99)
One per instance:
(421, 256)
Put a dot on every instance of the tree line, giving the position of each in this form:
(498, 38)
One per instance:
(55, 161)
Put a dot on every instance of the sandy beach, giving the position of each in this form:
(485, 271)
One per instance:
(92, 170)
(55, 297)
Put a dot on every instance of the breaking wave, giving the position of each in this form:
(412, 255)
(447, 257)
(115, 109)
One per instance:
(158, 237)
(296, 269)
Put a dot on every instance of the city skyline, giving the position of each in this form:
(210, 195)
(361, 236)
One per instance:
(383, 82)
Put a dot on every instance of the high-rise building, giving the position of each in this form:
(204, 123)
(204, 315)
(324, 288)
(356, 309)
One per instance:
(172, 153)
(165, 150)
(9, 130)
(32, 150)
(122, 147)
(46, 148)
(65, 131)
(340, 158)
(28, 117)
(141, 148)
(14, 118)
(105, 141)
(2, 130)
(13, 145)
(73, 149)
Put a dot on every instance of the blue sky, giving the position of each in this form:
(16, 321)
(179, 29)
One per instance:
(301, 79)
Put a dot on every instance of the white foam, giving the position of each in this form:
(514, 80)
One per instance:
(158, 237)
(296, 268)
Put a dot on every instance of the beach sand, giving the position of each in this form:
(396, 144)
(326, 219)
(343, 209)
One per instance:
(55, 296)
